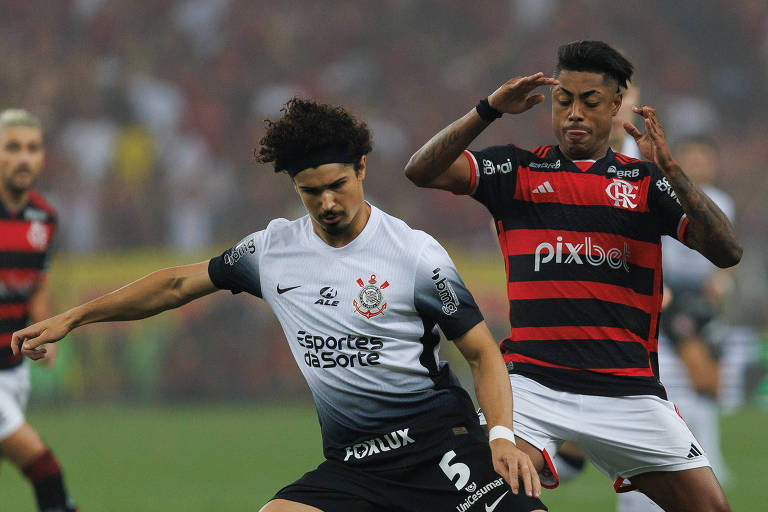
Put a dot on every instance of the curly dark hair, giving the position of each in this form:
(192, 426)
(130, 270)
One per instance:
(594, 57)
(308, 128)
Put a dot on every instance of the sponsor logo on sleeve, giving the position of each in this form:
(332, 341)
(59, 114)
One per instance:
(446, 293)
(388, 442)
(665, 186)
(237, 252)
(504, 167)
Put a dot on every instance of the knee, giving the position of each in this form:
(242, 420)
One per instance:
(720, 503)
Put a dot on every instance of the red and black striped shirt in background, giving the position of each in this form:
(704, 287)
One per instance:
(582, 247)
(25, 241)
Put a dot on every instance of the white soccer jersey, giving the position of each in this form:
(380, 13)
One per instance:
(361, 323)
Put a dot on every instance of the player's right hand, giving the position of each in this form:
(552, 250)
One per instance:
(514, 465)
(30, 341)
(514, 96)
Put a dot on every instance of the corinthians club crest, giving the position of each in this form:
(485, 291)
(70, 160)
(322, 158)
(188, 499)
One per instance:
(370, 300)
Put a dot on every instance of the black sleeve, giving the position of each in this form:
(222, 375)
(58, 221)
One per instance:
(494, 175)
(237, 269)
(440, 295)
(665, 206)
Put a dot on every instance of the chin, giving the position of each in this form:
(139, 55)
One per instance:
(335, 229)
(577, 152)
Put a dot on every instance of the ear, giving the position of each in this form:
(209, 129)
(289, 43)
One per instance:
(616, 103)
(361, 172)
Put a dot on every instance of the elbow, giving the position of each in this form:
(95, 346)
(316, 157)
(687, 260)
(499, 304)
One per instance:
(731, 257)
(413, 173)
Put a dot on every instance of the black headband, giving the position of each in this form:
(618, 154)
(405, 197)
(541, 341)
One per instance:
(313, 159)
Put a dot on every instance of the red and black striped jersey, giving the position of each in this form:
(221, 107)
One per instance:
(582, 248)
(25, 241)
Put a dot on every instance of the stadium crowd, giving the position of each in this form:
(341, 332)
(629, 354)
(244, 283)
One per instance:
(152, 107)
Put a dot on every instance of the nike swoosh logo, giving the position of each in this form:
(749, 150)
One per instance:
(281, 291)
(495, 503)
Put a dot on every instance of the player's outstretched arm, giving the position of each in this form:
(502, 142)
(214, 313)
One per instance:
(495, 396)
(709, 231)
(438, 163)
(159, 291)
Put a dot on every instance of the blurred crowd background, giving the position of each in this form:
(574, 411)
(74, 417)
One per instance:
(152, 109)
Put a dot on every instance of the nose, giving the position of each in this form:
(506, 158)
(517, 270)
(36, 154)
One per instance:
(576, 113)
(327, 200)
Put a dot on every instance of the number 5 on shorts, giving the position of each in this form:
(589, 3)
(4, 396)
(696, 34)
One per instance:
(452, 470)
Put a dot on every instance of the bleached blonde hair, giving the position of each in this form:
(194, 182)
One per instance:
(18, 117)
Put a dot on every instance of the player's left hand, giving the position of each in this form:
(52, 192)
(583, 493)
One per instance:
(514, 465)
(652, 143)
(49, 359)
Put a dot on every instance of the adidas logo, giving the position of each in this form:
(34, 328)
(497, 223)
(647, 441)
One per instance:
(695, 452)
(543, 188)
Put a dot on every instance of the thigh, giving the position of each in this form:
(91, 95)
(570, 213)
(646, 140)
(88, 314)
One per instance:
(635, 501)
(628, 436)
(692, 490)
(278, 505)
(543, 419)
(14, 393)
(462, 479)
(332, 487)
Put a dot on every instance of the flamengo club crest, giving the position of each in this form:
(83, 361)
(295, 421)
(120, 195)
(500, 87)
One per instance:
(622, 192)
(37, 236)
(370, 300)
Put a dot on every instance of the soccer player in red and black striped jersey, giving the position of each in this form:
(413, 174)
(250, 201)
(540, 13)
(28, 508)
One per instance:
(580, 228)
(27, 225)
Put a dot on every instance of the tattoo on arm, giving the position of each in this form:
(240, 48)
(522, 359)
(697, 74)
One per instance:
(709, 231)
(438, 146)
(437, 155)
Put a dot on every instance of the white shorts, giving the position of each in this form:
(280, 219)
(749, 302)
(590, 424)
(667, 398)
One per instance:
(622, 436)
(14, 394)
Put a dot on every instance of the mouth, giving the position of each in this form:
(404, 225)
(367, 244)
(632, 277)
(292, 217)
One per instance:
(331, 219)
(576, 134)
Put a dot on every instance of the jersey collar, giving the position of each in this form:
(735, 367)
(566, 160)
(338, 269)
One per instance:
(317, 243)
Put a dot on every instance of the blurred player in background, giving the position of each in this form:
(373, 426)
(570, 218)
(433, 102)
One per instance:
(27, 225)
(688, 342)
(359, 295)
(580, 229)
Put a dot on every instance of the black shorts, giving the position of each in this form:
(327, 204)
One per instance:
(460, 479)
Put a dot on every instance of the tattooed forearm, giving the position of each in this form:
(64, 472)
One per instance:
(441, 144)
(437, 155)
(709, 231)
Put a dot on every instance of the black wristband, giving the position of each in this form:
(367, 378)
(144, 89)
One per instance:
(486, 112)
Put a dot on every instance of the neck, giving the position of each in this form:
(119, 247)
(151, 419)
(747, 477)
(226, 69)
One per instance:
(13, 202)
(594, 155)
(355, 228)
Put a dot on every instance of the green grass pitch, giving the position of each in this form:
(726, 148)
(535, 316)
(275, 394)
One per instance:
(234, 457)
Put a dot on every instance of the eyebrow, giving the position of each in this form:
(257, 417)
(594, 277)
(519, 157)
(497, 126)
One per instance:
(582, 95)
(315, 189)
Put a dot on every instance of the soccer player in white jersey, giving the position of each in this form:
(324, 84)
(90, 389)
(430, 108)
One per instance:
(359, 295)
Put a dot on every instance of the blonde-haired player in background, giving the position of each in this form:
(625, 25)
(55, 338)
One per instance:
(27, 225)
